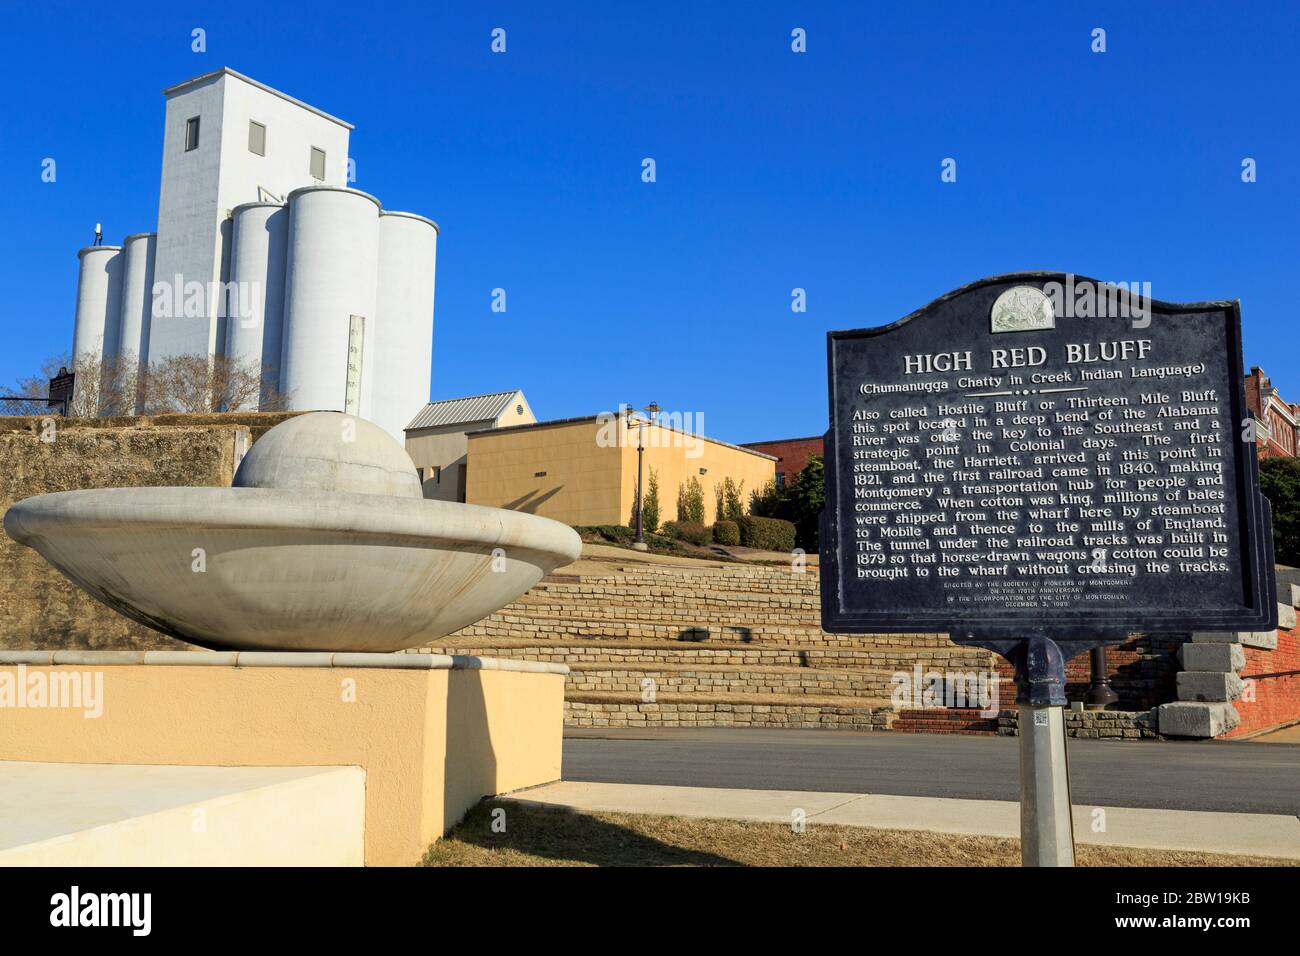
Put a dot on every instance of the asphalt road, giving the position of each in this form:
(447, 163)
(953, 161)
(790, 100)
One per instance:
(1241, 777)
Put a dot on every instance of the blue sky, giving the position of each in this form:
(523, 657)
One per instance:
(775, 170)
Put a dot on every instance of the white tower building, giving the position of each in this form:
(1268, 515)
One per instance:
(264, 254)
(227, 140)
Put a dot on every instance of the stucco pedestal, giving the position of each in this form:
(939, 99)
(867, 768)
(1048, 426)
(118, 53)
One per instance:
(434, 734)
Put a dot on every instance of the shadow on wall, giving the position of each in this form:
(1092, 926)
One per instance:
(530, 502)
(470, 763)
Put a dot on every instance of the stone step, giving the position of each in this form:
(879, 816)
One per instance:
(766, 581)
(726, 710)
(613, 653)
(503, 625)
(656, 680)
(660, 599)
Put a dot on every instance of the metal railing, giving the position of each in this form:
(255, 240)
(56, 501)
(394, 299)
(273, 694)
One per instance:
(32, 406)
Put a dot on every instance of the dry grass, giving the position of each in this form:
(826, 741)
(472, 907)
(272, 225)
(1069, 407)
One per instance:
(537, 837)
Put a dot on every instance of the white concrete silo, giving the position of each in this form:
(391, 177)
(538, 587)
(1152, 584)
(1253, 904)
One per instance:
(403, 339)
(99, 303)
(137, 294)
(330, 276)
(254, 329)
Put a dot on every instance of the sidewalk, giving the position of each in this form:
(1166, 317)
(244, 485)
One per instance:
(1256, 834)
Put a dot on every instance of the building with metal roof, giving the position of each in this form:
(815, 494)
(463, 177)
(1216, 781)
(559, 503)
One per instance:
(437, 439)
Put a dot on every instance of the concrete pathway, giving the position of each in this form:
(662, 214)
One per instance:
(1257, 834)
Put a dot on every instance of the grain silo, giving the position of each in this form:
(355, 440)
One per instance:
(254, 328)
(99, 303)
(137, 295)
(329, 299)
(403, 338)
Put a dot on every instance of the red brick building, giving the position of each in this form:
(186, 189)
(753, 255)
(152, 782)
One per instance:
(791, 455)
(1278, 434)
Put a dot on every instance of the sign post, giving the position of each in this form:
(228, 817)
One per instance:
(1042, 464)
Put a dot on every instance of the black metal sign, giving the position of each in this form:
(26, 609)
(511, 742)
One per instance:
(1043, 455)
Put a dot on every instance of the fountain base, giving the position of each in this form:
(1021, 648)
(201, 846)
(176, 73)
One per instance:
(434, 734)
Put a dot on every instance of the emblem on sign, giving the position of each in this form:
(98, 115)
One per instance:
(1022, 308)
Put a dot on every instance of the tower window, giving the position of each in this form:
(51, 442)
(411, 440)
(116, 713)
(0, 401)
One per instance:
(317, 163)
(191, 133)
(256, 138)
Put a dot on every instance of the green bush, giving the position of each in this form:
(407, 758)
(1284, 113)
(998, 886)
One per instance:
(616, 533)
(1279, 480)
(768, 534)
(726, 532)
(692, 532)
(690, 501)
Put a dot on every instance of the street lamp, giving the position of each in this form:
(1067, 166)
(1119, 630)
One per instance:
(652, 409)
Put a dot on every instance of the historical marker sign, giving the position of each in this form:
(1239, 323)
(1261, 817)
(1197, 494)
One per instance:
(1042, 455)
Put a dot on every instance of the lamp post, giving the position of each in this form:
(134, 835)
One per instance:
(1100, 694)
(653, 409)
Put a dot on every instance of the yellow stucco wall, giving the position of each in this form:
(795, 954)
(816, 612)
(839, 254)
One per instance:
(432, 742)
(590, 479)
(676, 458)
(583, 480)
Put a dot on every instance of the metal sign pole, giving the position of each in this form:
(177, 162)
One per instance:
(1046, 822)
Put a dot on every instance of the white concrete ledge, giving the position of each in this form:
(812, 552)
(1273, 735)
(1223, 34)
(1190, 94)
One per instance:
(399, 661)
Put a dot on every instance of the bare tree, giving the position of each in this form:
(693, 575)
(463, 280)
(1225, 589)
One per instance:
(122, 385)
(203, 383)
(38, 386)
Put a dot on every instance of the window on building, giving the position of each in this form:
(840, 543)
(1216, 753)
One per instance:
(317, 163)
(780, 479)
(191, 133)
(437, 474)
(256, 138)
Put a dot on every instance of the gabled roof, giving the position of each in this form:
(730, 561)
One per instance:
(463, 411)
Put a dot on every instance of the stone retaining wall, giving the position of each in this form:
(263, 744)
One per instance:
(1095, 724)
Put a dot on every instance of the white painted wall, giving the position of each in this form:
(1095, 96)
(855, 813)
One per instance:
(200, 188)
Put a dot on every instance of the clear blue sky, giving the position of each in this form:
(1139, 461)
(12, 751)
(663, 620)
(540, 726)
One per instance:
(775, 170)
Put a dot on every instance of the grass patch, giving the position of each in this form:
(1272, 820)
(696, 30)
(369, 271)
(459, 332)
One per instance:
(540, 837)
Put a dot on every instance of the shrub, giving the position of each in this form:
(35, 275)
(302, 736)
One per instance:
(690, 501)
(768, 534)
(616, 533)
(726, 532)
(692, 532)
(1279, 480)
(650, 507)
(733, 496)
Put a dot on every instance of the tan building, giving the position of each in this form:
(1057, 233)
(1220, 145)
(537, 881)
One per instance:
(437, 438)
(582, 471)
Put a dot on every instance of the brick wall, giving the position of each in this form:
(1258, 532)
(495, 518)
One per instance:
(1142, 672)
(1272, 695)
(792, 453)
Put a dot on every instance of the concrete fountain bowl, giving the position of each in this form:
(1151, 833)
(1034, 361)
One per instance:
(324, 543)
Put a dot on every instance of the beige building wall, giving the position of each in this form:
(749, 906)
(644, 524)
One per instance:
(676, 458)
(440, 458)
(580, 480)
(588, 478)
(439, 453)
